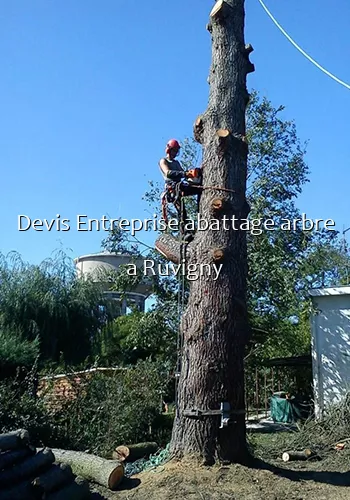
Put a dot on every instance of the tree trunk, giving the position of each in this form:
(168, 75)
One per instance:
(214, 326)
(107, 473)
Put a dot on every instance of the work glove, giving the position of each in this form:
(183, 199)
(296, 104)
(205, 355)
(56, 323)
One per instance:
(175, 175)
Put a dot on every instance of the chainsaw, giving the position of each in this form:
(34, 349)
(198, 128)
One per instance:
(194, 176)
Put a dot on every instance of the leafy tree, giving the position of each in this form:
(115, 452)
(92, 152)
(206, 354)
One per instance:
(283, 265)
(138, 336)
(16, 351)
(50, 303)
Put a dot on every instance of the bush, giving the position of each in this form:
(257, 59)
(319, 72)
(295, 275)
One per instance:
(16, 351)
(20, 409)
(108, 411)
(112, 410)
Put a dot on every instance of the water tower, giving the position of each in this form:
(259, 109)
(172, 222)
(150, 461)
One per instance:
(99, 265)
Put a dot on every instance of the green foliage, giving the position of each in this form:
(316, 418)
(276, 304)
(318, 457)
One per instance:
(15, 350)
(19, 409)
(110, 411)
(50, 303)
(139, 336)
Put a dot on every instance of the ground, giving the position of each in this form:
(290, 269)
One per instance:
(326, 479)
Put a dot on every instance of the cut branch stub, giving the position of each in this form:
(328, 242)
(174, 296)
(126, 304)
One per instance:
(250, 67)
(248, 49)
(223, 136)
(198, 130)
(219, 11)
(223, 133)
(169, 247)
(241, 142)
(218, 255)
(217, 205)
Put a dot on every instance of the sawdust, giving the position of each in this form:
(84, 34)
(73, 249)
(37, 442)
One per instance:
(260, 481)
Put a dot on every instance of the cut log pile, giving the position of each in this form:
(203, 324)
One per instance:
(30, 474)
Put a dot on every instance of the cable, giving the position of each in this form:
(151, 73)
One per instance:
(300, 49)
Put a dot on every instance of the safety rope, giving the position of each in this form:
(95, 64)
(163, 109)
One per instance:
(305, 54)
(181, 297)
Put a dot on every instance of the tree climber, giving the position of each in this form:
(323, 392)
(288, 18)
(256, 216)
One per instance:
(178, 182)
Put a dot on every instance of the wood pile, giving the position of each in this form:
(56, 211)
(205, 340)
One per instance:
(30, 474)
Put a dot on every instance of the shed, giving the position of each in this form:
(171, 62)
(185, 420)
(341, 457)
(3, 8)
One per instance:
(330, 322)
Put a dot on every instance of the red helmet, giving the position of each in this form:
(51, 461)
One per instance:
(172, 144)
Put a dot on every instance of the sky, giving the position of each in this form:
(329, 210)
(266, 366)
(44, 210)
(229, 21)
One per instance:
(91, 91)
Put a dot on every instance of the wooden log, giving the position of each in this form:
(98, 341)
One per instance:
(169, 247)
(121, 453)
(27, 469)
(57, 476)
(14, 440)
(9, 458)
(76, 490)
(107, 473)
(135, 451)
(22, 491)
(289, 456)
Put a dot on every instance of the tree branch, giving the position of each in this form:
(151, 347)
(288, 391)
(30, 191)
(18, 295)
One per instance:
(198, 129)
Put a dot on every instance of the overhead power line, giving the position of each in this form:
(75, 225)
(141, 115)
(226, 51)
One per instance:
(300, 49)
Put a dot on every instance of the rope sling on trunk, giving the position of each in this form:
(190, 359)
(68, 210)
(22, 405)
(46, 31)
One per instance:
(180, 300)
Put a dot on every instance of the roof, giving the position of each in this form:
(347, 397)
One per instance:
(324, 292)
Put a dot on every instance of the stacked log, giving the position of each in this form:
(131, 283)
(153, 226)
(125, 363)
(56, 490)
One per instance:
(30, 474)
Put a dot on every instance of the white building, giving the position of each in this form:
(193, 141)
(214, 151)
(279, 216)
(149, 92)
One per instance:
(100, 265)
(330, 345)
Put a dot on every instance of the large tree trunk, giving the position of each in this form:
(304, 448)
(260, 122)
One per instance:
(214, 325)
(108, 473)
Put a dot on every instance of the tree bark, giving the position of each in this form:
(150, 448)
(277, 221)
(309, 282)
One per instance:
(57, 476)
(21, 491)
(108, 473)
(10, 458)
(214, 325)
(76, 490)
(27, 469)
